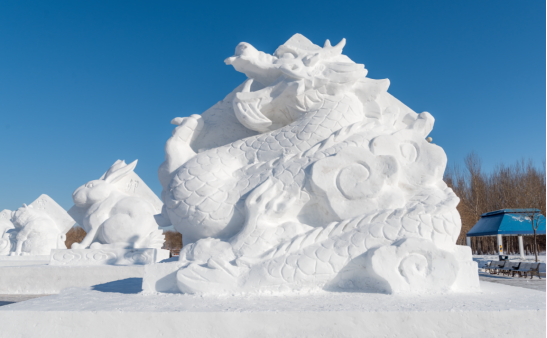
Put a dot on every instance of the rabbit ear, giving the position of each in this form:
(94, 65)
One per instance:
(117, 165)
(115, 174)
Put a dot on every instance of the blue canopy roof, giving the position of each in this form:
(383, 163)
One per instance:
(507, 222)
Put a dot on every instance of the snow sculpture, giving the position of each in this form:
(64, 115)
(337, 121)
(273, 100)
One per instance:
(7, 230)
(117, 211)
(34, 229)
(323, 180)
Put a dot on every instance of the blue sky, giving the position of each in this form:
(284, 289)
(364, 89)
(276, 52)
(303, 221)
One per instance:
(83, 83)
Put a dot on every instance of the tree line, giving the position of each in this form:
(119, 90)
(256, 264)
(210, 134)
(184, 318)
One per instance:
(517, 185)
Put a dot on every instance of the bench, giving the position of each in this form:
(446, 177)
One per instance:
(495, 266)
(529, 269)
(510, 268)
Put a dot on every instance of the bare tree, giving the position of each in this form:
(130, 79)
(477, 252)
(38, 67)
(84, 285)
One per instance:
(534, 198)
(173, 240)
(75, 235)
(536, 220)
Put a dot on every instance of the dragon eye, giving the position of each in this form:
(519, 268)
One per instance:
(89, 185)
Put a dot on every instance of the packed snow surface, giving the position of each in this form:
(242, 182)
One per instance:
(75, 299)
(521, 282)
(103, 311)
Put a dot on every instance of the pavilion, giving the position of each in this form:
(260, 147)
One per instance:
(507, 222)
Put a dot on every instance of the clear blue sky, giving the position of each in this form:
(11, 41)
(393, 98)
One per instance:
(84, 83)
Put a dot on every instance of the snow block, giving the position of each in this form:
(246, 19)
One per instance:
(497, 311)
(47, 279)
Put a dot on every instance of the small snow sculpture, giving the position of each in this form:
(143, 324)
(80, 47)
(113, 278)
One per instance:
(311, 175)
(7, 230)
(117, 211)
(34, 229)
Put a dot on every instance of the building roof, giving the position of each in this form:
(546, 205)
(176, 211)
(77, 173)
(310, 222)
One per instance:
(507, 222)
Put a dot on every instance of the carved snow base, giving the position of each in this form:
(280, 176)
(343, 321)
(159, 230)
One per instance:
(77, 257)
(422, 270)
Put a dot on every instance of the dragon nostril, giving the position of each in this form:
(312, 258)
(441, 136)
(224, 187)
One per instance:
(294, 67)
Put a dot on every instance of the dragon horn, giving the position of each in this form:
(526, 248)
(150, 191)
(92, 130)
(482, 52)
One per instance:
(247, 86)
(330, 51)
(338, 48)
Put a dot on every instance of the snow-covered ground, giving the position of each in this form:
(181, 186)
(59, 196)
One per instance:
(534, 284)
(118, 309)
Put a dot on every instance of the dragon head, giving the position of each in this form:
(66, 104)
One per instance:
(296, 70)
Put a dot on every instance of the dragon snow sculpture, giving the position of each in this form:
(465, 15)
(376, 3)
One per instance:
(311, 175)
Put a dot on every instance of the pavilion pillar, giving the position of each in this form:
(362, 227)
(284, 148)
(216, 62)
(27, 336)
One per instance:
(469, 242)
(500, 245)
(521, 247)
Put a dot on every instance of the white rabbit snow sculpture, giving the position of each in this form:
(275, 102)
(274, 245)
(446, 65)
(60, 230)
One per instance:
(114, 218)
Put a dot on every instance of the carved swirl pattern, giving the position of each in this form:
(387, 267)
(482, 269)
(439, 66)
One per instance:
(357, 172)
(355, 181)
(102, 256)
(66, 256)
(138, 257)
(414, 265)
(414, 268)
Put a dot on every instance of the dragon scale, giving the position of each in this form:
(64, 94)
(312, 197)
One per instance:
(210, 195)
